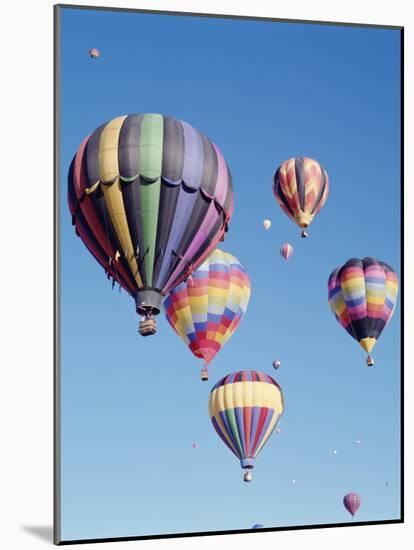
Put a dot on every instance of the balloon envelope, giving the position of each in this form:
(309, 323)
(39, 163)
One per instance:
(362, 295)
(245, 408)
(206, 313)
(286, 251)
(94, 53)
(267, 224)
(352, 502)
(151, 197)
(301, 187)
(276, 364)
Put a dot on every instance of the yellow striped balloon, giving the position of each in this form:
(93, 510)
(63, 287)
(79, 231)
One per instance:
(245, 408)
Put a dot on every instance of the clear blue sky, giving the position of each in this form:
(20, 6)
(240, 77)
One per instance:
(132, 407)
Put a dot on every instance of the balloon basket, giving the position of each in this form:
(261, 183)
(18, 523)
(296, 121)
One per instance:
(247, 477)
(304, 234)
(370, 361)
(147, 327)
(204, 374)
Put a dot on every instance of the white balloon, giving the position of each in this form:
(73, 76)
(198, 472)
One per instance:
(267, 224)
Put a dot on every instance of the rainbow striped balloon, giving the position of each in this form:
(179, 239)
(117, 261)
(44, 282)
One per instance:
(363, 294)
(301, 187)
(286, 251)
(245, 408)
(206, 310)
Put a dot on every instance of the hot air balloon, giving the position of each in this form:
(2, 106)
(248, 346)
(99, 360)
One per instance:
(194, 445)
(286, 250)
(150, 197)
(94, 53)
(301, 187)
(258, 526)
(245, 408)
(352, 501)
(334, 452)
(267, 224)
(276, 364)
(206, 313)
(363, 294)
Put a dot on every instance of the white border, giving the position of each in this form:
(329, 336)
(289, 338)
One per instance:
(26, 232)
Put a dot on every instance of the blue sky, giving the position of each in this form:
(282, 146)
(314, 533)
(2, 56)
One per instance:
(132, 407)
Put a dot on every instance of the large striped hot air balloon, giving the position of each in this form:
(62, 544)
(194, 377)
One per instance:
(301, 187)
(206, 309)
(150, 197)
(245, 408)
(362, 295)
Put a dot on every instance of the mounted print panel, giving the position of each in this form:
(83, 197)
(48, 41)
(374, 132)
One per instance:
(229, 274)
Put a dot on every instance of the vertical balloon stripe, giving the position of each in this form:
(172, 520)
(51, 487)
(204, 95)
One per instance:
(151, 148)
(172, 170)
(299, 181)
(247, 421)
(322, 194)
(192, 174)
(129, 168)
(289, 185)
(111, 189)
(238, 412)
(129, 160)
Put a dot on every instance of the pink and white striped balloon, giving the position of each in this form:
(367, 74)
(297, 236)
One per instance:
(286, 251)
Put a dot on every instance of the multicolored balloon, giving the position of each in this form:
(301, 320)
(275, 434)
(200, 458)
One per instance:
(206, 312)
(352, 502)
(94, 53)
(362, 295)
(245, 408)
(301, 187)
(151, 197)
(286, 251)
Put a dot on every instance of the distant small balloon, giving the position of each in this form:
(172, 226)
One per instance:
(276, 364)
(334, 452)
(357, 442)
(352, 502)
(293, 481)
(286, 251)
(387, 483)
(258, 526)
(94, 53)
(267, 224)
(278, 430)
(194, 445)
